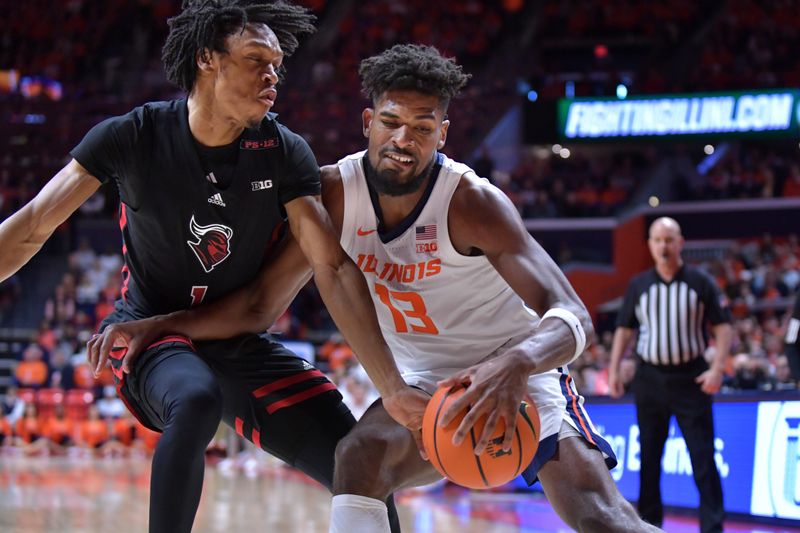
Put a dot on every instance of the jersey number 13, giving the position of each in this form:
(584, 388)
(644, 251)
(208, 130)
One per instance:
(416, 317)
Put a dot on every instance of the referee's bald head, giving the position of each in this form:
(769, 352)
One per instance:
(670, 224)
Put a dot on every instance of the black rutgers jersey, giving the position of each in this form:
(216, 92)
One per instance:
(188, 236)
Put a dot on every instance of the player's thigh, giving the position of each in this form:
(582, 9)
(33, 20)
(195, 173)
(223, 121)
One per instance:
(380, 447)
(164, 376)
(277, 400)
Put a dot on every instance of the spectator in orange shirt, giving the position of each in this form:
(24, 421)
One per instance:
(32, 371)
(59, 430)
(5, 431)
(124, 429)
(28, 432)
(146, 439)
(93, 432)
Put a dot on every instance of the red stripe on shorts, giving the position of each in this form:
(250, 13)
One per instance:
(300, 396)
(286, 382)
(172, 338)
(257, 438)
(239, 426)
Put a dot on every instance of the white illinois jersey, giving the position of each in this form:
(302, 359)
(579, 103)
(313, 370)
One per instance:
(441, 311)
(438, 308)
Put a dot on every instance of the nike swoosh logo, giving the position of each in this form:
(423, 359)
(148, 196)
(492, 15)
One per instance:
(362, 233)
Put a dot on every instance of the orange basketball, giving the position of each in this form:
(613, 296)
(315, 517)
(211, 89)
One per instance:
(459, 464)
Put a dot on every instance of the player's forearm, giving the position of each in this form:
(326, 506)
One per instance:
(347, 298)
(18, 242)
(552, 346)
(211, 322)
(723, 333)
(622, 337)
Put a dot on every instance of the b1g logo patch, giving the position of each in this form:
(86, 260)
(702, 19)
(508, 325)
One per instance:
(212, 245)
(261, 185)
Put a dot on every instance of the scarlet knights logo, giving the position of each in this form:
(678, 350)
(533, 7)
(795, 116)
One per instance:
(213, 243)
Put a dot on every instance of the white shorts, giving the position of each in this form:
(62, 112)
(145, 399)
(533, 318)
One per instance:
(557, 401)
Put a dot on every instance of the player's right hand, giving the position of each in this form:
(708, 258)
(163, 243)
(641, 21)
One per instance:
(135, 336)
(615, 387)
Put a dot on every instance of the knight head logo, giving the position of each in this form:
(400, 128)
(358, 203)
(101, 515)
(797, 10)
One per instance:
(212, 244)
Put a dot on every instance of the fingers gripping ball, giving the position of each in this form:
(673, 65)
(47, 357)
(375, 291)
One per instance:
(459, 464)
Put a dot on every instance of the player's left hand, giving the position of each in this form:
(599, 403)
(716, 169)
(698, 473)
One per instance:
(710, 381)
(407, 406)
(496, 389)
(134, 336)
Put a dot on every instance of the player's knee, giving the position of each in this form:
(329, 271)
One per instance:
(361, 466)
(201, 404)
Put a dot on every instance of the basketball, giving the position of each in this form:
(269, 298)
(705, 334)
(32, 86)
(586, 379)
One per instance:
(494, 467)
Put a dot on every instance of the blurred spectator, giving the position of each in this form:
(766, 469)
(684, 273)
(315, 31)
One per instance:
(32, 371)
(750, 373)
(93, 432)
(6, 433)
(59, 430)
(13, 407)
(357, 394)
(83, 257)
(783, 374)
(61, 371)
(110, 406)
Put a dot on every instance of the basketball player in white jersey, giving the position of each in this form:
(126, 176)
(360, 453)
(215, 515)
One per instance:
(463, 294)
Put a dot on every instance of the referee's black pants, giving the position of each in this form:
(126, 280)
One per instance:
(661, 393)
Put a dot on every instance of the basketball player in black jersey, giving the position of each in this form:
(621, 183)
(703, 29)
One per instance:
(206, 184)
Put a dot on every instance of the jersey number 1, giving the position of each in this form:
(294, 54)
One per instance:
(418, 311)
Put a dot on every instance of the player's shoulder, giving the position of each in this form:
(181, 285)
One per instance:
(330, 174)
(475, 194)
(161, 112)
(141, 119)
(292, 140)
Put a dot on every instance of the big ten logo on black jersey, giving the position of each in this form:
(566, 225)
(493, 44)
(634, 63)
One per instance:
(403, 273)
(212, 244)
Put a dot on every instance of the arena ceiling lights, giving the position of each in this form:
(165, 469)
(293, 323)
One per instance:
(750, 114)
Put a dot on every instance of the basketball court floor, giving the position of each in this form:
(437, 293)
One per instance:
(57, 494)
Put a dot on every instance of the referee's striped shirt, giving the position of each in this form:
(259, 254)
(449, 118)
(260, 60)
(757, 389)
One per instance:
(671, 316)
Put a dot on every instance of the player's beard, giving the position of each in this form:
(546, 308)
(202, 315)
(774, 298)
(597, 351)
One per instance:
(385, 181)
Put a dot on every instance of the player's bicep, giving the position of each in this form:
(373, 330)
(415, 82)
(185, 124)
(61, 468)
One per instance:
(312, 228)
(59, 198)
(492, 224)
(533, 274)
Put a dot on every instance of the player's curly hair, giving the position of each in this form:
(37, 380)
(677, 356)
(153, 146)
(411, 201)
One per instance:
(412, 67)
(205, 24)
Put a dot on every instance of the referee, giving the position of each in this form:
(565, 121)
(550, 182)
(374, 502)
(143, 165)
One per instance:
(792, 340)
(670, 306)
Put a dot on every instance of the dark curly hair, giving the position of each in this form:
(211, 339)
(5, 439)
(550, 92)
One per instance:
(412, 67)
(205, 24)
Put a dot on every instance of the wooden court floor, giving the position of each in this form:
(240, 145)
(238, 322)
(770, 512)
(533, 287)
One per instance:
(57, 494)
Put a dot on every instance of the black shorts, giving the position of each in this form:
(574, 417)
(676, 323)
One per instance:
(272, 397)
